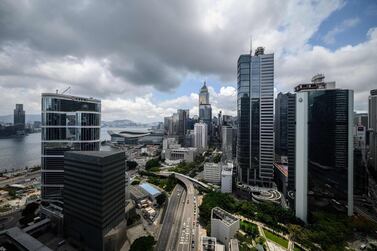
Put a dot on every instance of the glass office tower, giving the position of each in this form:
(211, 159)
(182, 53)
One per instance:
(19, 115)
(281, 123)
(372, 108)
(324, 151)
(255, 102)
(68, 123)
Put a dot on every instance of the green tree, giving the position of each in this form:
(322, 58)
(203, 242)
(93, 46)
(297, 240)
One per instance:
(152, 163)
(144, 243)
(161, 199)
(131, 164)
(135, 182)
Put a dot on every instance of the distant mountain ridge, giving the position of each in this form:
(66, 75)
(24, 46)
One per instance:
(126, 123)
(30, 118)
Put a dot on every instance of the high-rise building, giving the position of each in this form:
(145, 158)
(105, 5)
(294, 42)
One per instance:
(68, 123)
(361, 119)
(19, 115)
(228, 142)
(324, 149)
(201, 136)
(291, 147)
(372, 162)
(212, 172)
(183, 116)
(281, 123)
(205, 109)
(95, 199)
(224, 226)
(255, 104)
(226, 177)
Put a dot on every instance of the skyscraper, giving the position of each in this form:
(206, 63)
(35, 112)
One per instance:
(291, 147)
(324, 149)
(201, 136)
(183, 116)
(205, 109)
(281, 123)
(68, 123)
(19, 115)
(94, 198)
(228, 142)
(255, 104)
(373, 131)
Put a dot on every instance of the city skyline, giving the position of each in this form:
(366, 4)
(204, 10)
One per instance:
(144, 79)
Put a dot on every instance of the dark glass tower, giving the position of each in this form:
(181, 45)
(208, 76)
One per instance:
(94, 196)
(372, 161)
(19, 115)
(281, 123)
(255, 101)
(291, 146)
(68, 123)
(324, 151)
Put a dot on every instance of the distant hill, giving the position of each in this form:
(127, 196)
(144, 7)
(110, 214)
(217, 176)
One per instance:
(30, 118)
(126, 123)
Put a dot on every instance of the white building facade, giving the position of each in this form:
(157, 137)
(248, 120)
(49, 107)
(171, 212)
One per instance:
(227, 177)
(212, 173)
(201, 136)
(224, 226)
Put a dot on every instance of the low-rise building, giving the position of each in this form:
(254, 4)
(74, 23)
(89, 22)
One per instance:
(224, 226)
(151, 190)
(16, 239)
(137, 194)
(177, 155)
(208, 243)
(227, 177)
(212, 173)
(233, 245)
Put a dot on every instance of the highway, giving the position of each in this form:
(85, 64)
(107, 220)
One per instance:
(171, 223)
(188, 232)
(186, 221)
(20, 179)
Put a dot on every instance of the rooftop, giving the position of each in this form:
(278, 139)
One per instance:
(223, 215)
(150, 189)
(76, 98)
(100, 154)
(137, 192)
(20, 240)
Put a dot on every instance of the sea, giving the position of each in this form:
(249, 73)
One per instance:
(25, 151)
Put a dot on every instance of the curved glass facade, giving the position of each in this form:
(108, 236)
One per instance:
(68, 123)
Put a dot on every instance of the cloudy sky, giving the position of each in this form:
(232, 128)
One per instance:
(145, 59)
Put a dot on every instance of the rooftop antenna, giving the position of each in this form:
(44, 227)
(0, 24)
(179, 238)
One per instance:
(251, 45)
(66, 90)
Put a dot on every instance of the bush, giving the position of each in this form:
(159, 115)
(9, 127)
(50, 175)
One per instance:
(161, 199)
(131, 164)
(167, 184)
(249, 228)
(135, 182)
(152, 163)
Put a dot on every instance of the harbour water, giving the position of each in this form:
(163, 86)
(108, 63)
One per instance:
(19, 152)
